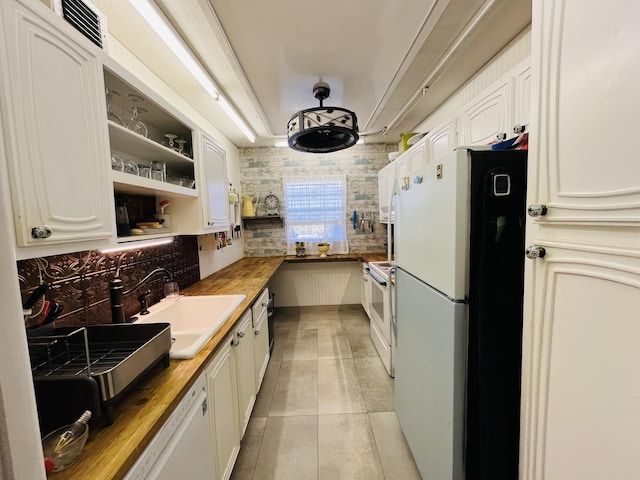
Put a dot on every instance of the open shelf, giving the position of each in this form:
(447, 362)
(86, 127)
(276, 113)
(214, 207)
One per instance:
(132, 184)
(262, 222)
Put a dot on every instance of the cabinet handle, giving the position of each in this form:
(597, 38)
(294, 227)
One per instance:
(41, 231)
(534, 252)
(234, 342)
(257, 332)
(537, 210)
(240, 334)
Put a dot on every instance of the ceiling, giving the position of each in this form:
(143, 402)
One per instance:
(392, 63)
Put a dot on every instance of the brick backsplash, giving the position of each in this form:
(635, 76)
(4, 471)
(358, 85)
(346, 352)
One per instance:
(262, 169)
(80, 281)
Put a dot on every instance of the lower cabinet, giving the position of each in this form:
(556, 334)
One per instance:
(245, 370)
(365, 290)
(223, 402)
(232, 385)
(261, 353)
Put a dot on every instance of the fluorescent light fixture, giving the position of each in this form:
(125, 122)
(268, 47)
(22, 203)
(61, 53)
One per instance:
(155, 19)
(138, 244)
(161, 26)
(230, 111)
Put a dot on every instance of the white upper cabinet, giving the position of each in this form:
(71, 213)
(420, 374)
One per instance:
(55, 135)
(386, 177)
(488, 115)
(215, 195)
(441, 140)
(592, 172)
(522, 95)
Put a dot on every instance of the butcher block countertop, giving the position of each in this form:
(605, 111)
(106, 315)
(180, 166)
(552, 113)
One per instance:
(111, 451)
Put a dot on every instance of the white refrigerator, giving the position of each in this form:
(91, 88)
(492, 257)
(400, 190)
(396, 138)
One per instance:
(459, 254)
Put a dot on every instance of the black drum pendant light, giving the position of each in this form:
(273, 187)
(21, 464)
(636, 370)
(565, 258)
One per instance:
(322, 129)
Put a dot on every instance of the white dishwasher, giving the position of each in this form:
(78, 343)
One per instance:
(183, 448)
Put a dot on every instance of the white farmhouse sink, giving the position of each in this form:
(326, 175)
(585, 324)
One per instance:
(194, 320)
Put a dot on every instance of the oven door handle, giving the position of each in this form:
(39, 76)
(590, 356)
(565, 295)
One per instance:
(375, 277)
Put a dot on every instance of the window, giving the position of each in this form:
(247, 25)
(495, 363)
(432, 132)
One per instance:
(316, 209)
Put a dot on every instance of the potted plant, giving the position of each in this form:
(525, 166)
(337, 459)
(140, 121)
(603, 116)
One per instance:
(301, 249)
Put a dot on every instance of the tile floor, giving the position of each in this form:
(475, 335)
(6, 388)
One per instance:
(325, 408)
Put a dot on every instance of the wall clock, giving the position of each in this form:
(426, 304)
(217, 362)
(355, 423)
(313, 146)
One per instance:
(272, 203)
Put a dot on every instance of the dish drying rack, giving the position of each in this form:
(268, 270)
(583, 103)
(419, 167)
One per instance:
(88, 368)
(69, 354)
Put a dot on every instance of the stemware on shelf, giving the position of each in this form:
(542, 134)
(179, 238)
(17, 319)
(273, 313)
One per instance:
(171, 137)
(111, 94)
(136, 124)
(181, 143)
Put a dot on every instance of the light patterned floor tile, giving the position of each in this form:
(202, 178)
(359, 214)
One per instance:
(347, 448)
(338, 387)
(289, 449)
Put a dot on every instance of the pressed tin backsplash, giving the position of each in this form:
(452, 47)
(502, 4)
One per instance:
(262, 169)
(80, 281)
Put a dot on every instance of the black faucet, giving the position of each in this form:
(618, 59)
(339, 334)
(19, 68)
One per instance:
(117, 292)
(144, 306)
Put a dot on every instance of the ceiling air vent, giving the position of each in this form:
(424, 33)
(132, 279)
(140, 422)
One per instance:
(86, 18)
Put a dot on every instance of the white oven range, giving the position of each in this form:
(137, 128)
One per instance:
(380, 307)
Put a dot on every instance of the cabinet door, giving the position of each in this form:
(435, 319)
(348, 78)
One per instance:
(365, 291)
(386, 177)
(488, 115)
(260, 348)
(245, 371)
(222, 396)
(383, 209)
(417, 155)
(442, 140)
(522, 96)
(403, 166)
(55, 130)
(580, 416)
(216, 199)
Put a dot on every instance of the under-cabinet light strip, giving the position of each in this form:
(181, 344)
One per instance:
(162, 27)
(138, 244)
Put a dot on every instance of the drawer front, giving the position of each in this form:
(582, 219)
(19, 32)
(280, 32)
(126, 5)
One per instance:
(259, 307)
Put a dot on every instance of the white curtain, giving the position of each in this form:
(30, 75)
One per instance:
(316, 211)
